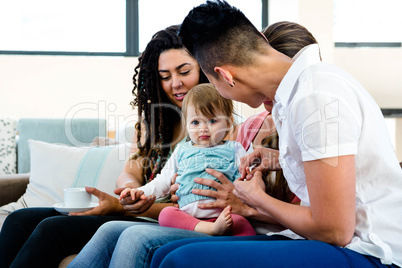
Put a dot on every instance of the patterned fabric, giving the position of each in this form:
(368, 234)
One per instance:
(8, 146)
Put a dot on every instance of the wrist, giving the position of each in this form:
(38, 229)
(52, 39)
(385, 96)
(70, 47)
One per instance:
(253, 213)
(259, 198)
(130, 184)
(248, 212)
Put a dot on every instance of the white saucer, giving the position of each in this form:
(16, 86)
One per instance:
(60, 207)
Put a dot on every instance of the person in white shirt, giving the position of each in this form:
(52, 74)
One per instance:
(335, 152)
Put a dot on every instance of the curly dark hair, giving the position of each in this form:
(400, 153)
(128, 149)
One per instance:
(151, 100)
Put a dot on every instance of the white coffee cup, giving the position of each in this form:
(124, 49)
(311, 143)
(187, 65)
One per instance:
(76, 198)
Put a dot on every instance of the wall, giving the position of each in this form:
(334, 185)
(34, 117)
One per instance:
(66, 86)
(71, 86)
(78, 86)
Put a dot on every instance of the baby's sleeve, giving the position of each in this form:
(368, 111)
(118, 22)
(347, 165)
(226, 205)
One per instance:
(160, 186)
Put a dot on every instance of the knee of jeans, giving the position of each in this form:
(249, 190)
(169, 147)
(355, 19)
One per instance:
(140, 232)
(107, 227)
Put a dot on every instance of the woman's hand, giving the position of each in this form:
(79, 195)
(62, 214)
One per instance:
(224, 195)
(137, 206)
(248, 190)
(108, 205)
(173, 188)
(264, 159)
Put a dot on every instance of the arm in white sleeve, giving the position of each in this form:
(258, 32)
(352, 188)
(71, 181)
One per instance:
(160, 185)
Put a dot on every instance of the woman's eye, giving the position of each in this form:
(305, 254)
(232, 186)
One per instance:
(185, 72)
(165, 78)
(212, 121)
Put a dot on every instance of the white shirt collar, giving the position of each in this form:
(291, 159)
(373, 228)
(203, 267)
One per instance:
(306, 57)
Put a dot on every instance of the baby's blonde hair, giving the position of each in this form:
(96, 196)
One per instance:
(208, 102)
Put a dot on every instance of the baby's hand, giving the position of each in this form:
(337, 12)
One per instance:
(133, 192)
(125, 192)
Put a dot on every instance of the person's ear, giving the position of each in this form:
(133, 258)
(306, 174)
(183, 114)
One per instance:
(226, 75)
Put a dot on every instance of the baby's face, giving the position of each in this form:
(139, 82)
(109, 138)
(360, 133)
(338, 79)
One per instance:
(206, 132)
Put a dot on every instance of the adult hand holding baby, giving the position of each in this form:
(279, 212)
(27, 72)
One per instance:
(224, 194)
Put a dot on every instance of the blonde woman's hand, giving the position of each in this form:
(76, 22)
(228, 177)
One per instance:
(224, 194)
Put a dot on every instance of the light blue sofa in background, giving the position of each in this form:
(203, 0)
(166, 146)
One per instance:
(75, 132)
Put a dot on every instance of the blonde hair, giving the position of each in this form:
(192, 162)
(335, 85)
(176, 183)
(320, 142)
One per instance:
(208, 102)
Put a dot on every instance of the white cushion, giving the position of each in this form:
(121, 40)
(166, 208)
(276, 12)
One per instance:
(55, 167)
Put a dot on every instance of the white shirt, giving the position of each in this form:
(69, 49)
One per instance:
(321, 111)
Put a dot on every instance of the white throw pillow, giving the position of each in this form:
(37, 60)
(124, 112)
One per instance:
(55, 167)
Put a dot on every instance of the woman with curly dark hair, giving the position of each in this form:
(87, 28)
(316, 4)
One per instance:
(162, 81)
(164, 74)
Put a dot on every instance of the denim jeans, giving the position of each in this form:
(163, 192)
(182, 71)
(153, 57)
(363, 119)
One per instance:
(127, 244)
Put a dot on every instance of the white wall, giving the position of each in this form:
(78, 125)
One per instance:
(78, 86)
(72, 86)
(66, 86)
(378, 69)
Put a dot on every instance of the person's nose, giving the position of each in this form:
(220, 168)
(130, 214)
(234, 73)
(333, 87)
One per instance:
(204, 127)
(176, 82)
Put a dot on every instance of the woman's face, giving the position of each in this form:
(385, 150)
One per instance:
(179, 73)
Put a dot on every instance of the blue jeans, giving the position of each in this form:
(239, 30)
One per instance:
(127, 244)
(258, 251)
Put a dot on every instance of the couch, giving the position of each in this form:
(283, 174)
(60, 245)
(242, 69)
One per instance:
(13, 186)
(47, 132)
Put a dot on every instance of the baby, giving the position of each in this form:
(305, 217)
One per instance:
(207, 118)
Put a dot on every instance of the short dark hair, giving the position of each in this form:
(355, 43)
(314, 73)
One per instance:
(216, 33)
